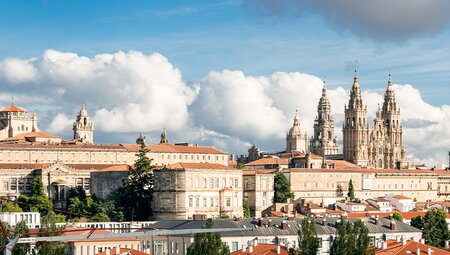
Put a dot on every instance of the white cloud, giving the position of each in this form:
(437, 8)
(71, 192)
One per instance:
(131, 92)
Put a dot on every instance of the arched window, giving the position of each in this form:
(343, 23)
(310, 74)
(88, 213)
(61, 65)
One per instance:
(329, 135)
(380, 163)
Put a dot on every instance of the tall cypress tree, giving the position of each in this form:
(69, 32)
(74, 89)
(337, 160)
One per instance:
(208, 243)
(309, 244)
(282, 188)
(351, 190)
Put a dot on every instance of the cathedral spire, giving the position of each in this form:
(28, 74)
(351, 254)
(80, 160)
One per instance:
(324, 89)
(83, 128)
(164, 137)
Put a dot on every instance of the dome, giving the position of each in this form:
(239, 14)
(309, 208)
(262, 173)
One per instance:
(83, 111)
(295, 129)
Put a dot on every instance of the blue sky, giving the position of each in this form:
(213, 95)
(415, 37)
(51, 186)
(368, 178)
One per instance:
(201, 36)
(144, 65)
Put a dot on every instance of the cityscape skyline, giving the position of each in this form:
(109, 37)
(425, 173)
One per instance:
(263, 47)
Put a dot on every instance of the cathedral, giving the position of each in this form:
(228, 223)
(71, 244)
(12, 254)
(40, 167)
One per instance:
(381, 146)
(378, 147)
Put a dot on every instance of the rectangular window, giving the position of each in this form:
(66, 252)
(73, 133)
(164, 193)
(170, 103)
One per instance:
(197, 202)
(191, 201)
(234, 246)
(236, 183)
(205, 202)
(86, 184)
(13, 183)
(228, 201)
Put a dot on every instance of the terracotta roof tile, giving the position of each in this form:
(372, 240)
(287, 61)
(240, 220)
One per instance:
(181, 165)
(257, 171)
(401, 197)
(263, 249)
(124, 251)
(396, 248)
(12, 108)
(269, 161)
(166, 148)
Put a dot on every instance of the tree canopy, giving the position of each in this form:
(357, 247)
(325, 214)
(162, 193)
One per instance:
(417, 222)
(398, 216)
(351, 190)
(309, 244)
(208, 243)
(351, 239)
(246, 209)
(435, 228)
(282, 188)
(37, 201)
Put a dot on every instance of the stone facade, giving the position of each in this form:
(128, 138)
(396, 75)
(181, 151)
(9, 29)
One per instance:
(15, 121)
(384, 147)
(324, 142)
(259, 191)
(296, 138)
(184, 190)
(83, 128)
(104, 181)
(317, 184)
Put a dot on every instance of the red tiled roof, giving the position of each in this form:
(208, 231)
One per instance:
(396, 248)
(342, 164)
(257, 171)
(263, 249)
(23, 166)
(12, 108)
(405, 215)
(124, 251)
(181, 165)
(59, 181)
(23, 136)
(167, 148)
(114, 168)
(303, 155)
(401, 197)
(269, 161)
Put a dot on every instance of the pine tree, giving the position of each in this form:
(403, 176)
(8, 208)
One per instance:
(398, 216)
(309, 244)
(435, 228)
(208, 243)
(246, 209)
(282, 188)
(351, 191)
(136, 195)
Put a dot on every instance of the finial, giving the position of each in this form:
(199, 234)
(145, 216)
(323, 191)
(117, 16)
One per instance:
(356, 74)
(324, 89)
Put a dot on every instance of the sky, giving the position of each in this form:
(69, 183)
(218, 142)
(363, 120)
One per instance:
(226, 73)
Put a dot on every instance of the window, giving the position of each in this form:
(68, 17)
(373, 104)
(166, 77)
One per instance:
(189, 182)
(205, 202)
(86, 184)
(211, 202)
(197, 201)
(13, 183)
(191, 201)
(236, 183)
(228, 203)
(234, 246)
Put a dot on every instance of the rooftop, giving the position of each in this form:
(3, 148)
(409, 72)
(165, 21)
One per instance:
(124, 251)
(410, 248)
(269, 161)
(12, 108)
(263, 249)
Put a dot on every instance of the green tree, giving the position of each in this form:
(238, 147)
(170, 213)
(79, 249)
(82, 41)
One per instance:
(208, 243)
(136, 194)
(246, 209)
(7, 206)
(309, 244)
(351, 239)
(37, 201)
(21, 248)
(240, 165)
(435, 228)
(351, 190)
(398, 216)
(282, 188)
(48, 224)
(417, 222)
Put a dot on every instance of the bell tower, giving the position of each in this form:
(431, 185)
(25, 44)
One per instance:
(356, 128)
(83, 128)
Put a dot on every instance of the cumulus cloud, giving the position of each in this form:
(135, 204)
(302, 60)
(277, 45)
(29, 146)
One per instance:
(125, 91)
(380, 20)
(131, 92)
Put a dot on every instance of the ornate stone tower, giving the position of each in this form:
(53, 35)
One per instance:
(164, 137)
(377, 142)
(141, 139)
(296, 139)
(83, 128)
(395, 154)
(324, 142)
(356, 128)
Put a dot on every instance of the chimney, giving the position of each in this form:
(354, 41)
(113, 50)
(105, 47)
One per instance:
(384, 245)
(255, 242)
(107, 252)
(429, 251)
(398, 239)
(243, 248)
(324, 221)
(118, 250)
(283, 225)
(290, 217)
(393, 225)
(422, 241)
(391, 216)
(279, 249)
(377, 220)
(250, 248)
(379, 244)
(446, 244)
(418, 251)
(269, 223)
(238, 219)
(260, 222)
(403, 241)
